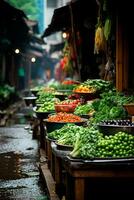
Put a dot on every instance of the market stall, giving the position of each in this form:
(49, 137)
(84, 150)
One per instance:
(84, 152)
(87, 179)
(93, 160)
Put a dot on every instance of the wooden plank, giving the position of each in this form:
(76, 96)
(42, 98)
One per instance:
(49, 154)
(88, 173)
(43, 157)
(49, 182)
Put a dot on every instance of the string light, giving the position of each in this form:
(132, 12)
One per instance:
(32, 59)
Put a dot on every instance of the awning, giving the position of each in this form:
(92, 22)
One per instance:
(60, 20)
(57, 47)
(12, 25)
(32, 52)
(62, 17)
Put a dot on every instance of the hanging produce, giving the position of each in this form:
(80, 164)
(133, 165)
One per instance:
(69, 57)
(100, 41)
(107, 28)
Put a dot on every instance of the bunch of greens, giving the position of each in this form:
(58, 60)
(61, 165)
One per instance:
(65, 135)
(93, 144)
(84, 109)
(44, 96)
(86, 143)
(110, 106)
(99, 84)
(65, 86)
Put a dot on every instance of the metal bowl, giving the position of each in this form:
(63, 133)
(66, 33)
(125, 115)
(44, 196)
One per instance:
(64, 147)
(31, 100)
(43, 115)
(52, 126)
(61, 96)
(108, 129)
(34, 92)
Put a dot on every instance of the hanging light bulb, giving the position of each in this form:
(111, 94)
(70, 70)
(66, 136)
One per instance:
(17, 51)
(33, 59)
(64, 35)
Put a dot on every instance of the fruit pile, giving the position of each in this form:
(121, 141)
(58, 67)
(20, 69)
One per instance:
(119, 145)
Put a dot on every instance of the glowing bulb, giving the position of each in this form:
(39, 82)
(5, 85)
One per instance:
(64, 35)
(17, 51)
(33, 59)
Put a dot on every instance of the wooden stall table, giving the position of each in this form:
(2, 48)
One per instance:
(94, 179)
(102, 178)
(49, 154)
(57, 170)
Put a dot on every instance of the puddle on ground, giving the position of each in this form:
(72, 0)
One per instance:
(19, 174)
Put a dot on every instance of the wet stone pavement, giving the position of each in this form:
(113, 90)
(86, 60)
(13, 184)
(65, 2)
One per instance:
(19, 159)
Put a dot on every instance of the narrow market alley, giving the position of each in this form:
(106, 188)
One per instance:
(19, 156)
(66, 100)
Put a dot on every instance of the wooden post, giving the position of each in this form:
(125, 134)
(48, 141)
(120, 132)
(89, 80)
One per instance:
(79, 189)
(3, 67)
(121, 55)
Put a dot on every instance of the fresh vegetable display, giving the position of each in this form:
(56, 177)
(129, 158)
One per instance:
(37, 88)
(84, 89)
(44, 96)
(93, 85)
(46, 102)
(110, 106)
(86, 143)
(66, 105)
(93, 144)
(66, 134)
(70, 82)
(64, 117)
(46, 106)
(66, 87)
(99, 84)
(99, 43)
(84, 109)
(118, 145)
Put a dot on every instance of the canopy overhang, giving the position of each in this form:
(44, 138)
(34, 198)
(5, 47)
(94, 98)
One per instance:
(75, 13)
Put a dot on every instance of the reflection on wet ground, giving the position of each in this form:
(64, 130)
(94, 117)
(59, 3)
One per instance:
(19, 158)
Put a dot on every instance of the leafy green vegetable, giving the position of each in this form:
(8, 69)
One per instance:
(83, 109)
(86, 143)
(110, 106)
